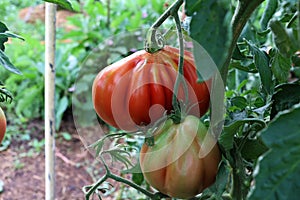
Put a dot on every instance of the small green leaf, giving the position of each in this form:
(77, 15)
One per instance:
(67, 136)
(4, 61)
(280, 67)
(278, 172)
(226, 138)
(239, 102)
(285, 96)
(282, 39)
(62, 107)
(252, 148)
(62, 3)
(261, 62)
(138, 178)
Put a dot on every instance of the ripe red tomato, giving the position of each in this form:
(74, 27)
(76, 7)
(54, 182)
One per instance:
(124, 93)
(184, 159)
(2, 125)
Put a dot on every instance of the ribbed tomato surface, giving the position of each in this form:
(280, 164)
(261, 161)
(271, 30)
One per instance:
(137, 90)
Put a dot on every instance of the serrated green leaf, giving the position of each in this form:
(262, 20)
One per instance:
(268, 13)
(120, 155)
(261, 62)
(285, 96)
(278, 172)
(62, 3)
(281, 67)
(282, 39)
(226, 138)
(4, 61)
(210, 28)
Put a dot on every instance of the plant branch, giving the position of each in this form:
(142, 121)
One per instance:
(90, 189)
(242, 13)
(180, 74)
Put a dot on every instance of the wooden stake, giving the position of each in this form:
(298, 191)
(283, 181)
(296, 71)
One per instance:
(49, 101)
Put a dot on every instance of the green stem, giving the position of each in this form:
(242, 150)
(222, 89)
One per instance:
(154, 42)
(242, 13)
(180, 75)
(89, 190)
(239, 190)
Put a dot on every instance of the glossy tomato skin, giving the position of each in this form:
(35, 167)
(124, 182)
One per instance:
(124, 92)
(2, 124)
(184, 159)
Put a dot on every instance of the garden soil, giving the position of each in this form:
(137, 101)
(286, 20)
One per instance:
(23, 174)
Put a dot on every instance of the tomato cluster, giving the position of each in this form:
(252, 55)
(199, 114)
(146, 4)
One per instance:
(137, 91)
(2, 124)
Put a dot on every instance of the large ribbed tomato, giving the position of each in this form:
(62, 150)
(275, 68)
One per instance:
(2, 125)
(124, 93)
(184, 159)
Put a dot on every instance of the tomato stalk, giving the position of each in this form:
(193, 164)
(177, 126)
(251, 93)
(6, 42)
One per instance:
(155, 41)
(91, 189)
(177, 112)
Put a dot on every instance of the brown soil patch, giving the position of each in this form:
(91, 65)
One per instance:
(23, 174)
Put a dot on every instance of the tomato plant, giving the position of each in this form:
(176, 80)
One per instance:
(184, 159)
(128, 88)
(2, 124)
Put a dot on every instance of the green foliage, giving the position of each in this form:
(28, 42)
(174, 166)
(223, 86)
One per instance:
(210, 27)
(4, 60)
(278, 172)
(261, 62)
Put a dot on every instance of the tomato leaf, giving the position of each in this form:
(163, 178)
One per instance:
(283, 41)
(278, 172)
(4, 61)
(261, 62)
(214, 39)
(62, 3)
(285, 96)
(280, 67)
(226, 138)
